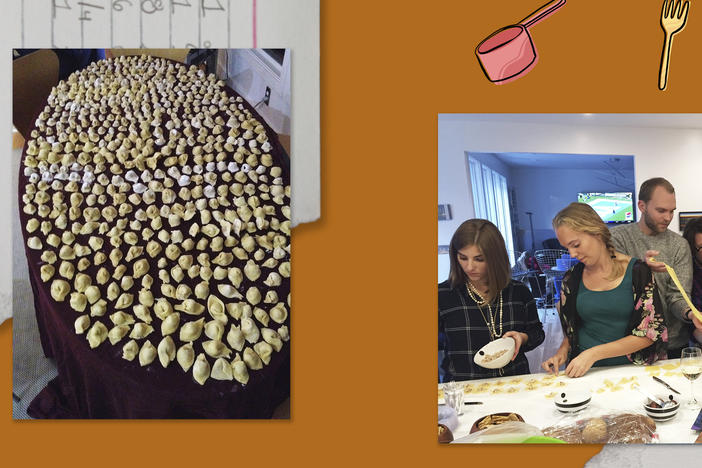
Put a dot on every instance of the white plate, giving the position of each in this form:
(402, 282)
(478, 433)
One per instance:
(492, 348)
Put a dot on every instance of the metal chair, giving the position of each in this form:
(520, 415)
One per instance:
(519, 269)
(546, 259)
(531, 278)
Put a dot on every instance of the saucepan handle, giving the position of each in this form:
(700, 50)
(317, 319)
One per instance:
(542, 13)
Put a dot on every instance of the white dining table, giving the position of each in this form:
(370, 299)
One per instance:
(612, 388)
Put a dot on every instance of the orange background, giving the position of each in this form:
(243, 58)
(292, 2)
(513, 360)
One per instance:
(364, 319)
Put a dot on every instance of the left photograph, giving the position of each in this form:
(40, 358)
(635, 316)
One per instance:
(152, 234)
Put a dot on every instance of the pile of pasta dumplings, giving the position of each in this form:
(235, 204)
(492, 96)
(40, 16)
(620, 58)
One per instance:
(161, 214)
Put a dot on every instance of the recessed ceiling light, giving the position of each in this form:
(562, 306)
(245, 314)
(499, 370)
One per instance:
(587, 115)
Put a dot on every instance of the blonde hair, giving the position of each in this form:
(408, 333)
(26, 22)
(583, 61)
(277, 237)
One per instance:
(580, 217)
(487, 238)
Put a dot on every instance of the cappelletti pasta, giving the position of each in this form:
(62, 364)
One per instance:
(151, 194)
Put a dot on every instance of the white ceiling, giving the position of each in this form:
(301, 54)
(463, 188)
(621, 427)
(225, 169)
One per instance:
(605, 120)
(567, 161)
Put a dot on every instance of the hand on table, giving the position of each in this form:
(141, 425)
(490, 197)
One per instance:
(655, 266)
(519, 339)
(580, 364)
(552, 364)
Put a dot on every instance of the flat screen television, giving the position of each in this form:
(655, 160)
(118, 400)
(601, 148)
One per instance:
(613, 207)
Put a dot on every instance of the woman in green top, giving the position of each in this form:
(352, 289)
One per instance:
(603, 322)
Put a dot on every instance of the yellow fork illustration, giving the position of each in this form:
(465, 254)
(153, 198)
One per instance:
(673, 20)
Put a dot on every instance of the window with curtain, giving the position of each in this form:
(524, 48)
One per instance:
(490, 200)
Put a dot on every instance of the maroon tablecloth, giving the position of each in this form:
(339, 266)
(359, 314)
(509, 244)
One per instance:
(99, 383)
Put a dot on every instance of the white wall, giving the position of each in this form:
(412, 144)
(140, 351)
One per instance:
(249, 76)
(675, 154)
(454, 186)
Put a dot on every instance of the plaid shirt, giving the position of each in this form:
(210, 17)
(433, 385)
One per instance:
(466, 332)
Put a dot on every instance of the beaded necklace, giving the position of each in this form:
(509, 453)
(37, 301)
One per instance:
(491, 317)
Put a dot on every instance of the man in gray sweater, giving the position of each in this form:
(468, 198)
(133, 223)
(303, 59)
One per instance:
(650, 237)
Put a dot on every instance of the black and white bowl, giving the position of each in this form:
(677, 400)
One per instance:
(666, 413)
(571, 401)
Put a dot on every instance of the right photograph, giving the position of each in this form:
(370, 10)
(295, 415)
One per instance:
(569, 278)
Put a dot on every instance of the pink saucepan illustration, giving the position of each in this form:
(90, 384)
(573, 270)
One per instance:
(509, 53)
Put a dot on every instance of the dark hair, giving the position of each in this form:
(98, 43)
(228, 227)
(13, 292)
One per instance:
(650, 185)
(488, 239)
(691, 228)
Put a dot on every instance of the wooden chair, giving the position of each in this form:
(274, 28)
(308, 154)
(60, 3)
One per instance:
(33, 76)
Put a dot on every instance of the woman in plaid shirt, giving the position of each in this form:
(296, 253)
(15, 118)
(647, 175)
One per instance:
(480, 303)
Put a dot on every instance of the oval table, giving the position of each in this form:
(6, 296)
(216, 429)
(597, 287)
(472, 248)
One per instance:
(99, 383)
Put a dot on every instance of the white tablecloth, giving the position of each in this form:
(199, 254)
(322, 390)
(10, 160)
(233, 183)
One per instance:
(553, 339)
(611, 391)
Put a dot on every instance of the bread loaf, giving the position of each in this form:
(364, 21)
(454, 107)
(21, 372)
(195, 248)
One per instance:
(624, 428)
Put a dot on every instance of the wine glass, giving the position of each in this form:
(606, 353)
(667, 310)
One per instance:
(691, 364)
(453, 395)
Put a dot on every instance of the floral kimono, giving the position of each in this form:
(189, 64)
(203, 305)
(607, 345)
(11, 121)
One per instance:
(646, 318)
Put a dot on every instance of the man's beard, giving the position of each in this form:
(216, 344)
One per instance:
(651, 224)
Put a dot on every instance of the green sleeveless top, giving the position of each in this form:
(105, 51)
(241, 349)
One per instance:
(605, 315)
